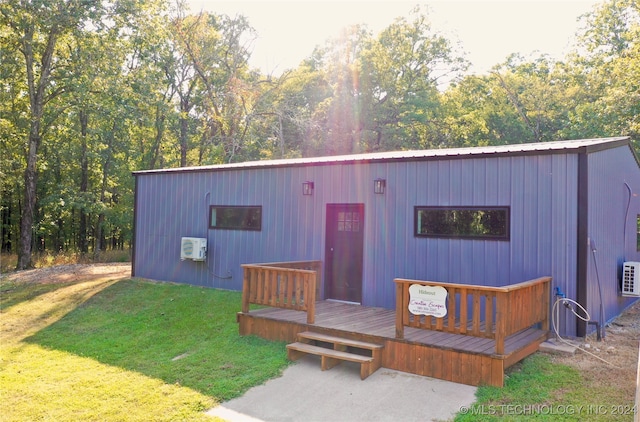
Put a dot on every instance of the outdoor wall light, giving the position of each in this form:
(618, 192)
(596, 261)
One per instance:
(379, 185)
(307, 188)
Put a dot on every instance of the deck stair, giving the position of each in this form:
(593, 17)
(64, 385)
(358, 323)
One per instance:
(333, 350)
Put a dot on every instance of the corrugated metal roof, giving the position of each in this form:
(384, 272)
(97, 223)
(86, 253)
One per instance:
(411, 155)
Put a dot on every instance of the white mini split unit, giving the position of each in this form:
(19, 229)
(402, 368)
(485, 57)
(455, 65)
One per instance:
(631, 279)
(193, 248)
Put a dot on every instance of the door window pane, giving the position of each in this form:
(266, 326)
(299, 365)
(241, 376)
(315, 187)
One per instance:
(348, 221)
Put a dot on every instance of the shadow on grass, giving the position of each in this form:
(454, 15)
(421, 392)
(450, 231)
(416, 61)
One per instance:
(29, 285)
(12, 293)
(28, 308)
(181, 334)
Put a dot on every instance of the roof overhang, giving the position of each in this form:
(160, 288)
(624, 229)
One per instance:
(539, 148)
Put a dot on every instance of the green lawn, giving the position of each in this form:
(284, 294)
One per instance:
(539, 389)
(124, 350)
(113, 350)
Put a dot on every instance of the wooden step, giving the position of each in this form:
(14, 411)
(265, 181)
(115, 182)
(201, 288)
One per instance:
(330, 357)
(310, 335)
(323, 351)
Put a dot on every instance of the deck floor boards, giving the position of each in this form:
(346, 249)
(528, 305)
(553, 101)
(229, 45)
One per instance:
(380, 322)
(455, 357)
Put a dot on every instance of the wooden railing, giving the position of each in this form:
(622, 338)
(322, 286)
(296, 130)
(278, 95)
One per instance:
(288, 285)
(480, 311)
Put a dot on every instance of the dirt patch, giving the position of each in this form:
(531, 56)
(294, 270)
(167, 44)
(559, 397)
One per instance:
(70, 273)
(610, 365)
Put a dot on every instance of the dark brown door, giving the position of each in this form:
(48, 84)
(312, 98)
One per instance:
(344, 251)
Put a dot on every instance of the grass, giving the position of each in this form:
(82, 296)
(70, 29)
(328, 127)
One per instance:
(539, 389)
(533, 382)
(108, 349)
(124, 350)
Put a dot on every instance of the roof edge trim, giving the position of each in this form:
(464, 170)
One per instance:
(539, 148)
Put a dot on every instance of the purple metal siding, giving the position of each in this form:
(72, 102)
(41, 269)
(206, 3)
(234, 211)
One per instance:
(540, 189)
(171, 206)
(609, 170)
(174, 205)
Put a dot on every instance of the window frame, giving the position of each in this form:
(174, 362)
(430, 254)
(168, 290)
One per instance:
(242, 227)
(502, 237)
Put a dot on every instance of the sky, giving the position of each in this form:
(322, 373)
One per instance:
(488, 31)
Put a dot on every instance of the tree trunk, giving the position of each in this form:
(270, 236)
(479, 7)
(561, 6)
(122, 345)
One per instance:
(29, 199)
(155, 151)
(37, 93)
(84, 183)
(184, 131)
(519, 109)
(6, 211)
(99, 235)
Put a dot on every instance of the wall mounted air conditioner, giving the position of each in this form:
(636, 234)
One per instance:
(194, 248)
(631, 279)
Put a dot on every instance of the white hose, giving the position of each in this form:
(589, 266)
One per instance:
(564, 301)
(586, 318)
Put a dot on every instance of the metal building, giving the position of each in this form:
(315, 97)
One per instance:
(491, 216)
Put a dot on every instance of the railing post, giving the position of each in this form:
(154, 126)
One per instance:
(400, 309)
(318, 270)
(546, 300)
(464, 308)
(245, 289)
(310, 298)
(501, 320)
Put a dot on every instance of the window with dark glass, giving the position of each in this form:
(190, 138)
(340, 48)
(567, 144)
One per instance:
(462, 222)
(235, 217)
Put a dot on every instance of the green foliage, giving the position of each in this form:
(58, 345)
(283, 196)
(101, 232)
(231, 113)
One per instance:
(607, 66)
(400, 76)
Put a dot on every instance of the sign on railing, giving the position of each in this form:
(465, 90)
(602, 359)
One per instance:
(479, 311)
(428, 300)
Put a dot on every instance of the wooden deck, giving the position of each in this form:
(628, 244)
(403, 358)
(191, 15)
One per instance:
(484, 331)
(449, 356)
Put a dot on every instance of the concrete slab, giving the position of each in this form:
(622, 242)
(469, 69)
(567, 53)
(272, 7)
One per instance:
(561, 347)
(307, 394)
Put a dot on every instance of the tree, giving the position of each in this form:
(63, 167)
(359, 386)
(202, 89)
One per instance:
(401, 73)
(380, 93)
(14, 128)
(607, 66)
(538, 93)
(287, 111)
(340, 114)
(36, 29)
(218, 50)
(610, 30)
(521, 100)
(67, 60)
